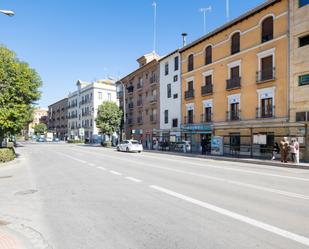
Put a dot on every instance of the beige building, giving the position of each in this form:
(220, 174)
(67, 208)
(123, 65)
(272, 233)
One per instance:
(142, 100)
(39, 116)
(299, 64)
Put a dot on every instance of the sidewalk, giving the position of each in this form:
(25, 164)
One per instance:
(8, 241)
(233, 159)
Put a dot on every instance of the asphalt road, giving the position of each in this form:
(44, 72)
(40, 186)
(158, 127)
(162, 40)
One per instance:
(78, 197)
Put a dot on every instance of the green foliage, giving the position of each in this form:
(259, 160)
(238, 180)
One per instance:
(40, 129)
(19, 89)
(6, 155)
(109, 117)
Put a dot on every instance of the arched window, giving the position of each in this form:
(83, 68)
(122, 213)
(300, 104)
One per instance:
(235, 45)
(268, 29)
(208, 55)
(190, 62)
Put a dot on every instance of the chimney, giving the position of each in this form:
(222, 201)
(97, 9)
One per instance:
(184, 39)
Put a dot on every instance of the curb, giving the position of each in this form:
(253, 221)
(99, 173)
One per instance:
(238, 160)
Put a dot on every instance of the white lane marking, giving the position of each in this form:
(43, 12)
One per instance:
(91, 164)
(73, 158)
(283, 233)
(115, 172)
(209, 166)
(133, 179)
(256, 187)
(102, 168)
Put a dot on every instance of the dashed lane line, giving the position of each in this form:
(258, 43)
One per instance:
(102, 168)
(115, 172)
(133, 179)
(264, 226)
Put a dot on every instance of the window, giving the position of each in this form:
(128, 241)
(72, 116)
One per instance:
(267, 107)
(208, 80)
(100, 95)
(303, 80)
(235, 46)
(190, 86)
(208, 55)
(301, 116)
(166, 69)
(190, 116)
(176, 63)
(175, 96)
(169, 90)
(175, 123)
(109, 96)
(191, 62)
(234, 115)
(166, 117)
(302, 3)
(268, 29)
(267, 68)
(208, 114)
(304, 41)
(175, 78)
(235, 72)
(235, 141)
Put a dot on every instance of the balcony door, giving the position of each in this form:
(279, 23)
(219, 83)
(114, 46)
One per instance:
(267, 68)
(234, 111)
(190, 116)
(267, 107)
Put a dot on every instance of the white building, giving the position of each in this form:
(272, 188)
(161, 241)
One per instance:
(83, 107)
(170, 94)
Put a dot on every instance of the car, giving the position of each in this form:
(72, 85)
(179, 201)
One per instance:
(40, 140)
(130, 146)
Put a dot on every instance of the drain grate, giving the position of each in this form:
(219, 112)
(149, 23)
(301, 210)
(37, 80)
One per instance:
(26, 192)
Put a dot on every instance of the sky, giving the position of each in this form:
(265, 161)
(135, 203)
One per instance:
(70, 40)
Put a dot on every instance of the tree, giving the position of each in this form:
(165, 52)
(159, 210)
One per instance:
(19, 89)
(40, 129)
(109, 118)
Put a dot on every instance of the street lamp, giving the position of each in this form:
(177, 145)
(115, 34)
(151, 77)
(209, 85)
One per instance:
(7, 12)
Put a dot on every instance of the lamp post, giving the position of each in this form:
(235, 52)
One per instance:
(7, 12)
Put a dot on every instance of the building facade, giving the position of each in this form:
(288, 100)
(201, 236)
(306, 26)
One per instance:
(299, 64)
(170, 96)
(235, 83)
(140, 99)
(83, 108)
(58, 120)
(39, 116)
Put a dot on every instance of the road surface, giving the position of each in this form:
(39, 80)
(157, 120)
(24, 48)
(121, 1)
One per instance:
(65, 196)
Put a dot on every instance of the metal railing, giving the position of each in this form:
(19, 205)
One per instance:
(233, 115)
(267, 112)
(207, 89)
(189, 94)
(206, 118)
(189, 119)
(233, 83)
(265, 75)
(153, 98)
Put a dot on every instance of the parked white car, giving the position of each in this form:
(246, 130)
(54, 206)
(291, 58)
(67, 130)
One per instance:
(130, 146)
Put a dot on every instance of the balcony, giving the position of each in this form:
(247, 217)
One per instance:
(233, 116)
(189, 94)
(140, 120)
(153, 80)
(207, 89)
(267, 112)
(206, 118)
(130, 89)
(189, 120)
(153, 118)
(131, 105)
(234, 83)
(153, 99)
(139, 86)
(265, 75)
(139, 103)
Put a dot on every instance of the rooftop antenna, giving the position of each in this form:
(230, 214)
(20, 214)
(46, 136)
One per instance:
(154, 5)
(228, 10)
(204, 10)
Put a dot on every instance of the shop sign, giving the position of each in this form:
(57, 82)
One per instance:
(196, 127)
(260, 139)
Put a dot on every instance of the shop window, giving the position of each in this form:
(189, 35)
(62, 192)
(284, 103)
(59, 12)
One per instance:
(235, 141)
(268, 29)
(303, 41)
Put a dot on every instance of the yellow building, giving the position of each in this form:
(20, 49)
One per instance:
(235, 83)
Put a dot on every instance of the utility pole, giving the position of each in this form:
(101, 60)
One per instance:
(204, 10)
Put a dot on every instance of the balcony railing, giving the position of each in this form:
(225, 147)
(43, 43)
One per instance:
(139, 102)
(189, 120)
(153, 98)
(207, 89)
(206, 118)
(233, 115)
(140, 120)
(139, 86)
(153, 118)
(189, 94)
(267, 112)
(233, 83)
(131, 105)
(265, 75)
